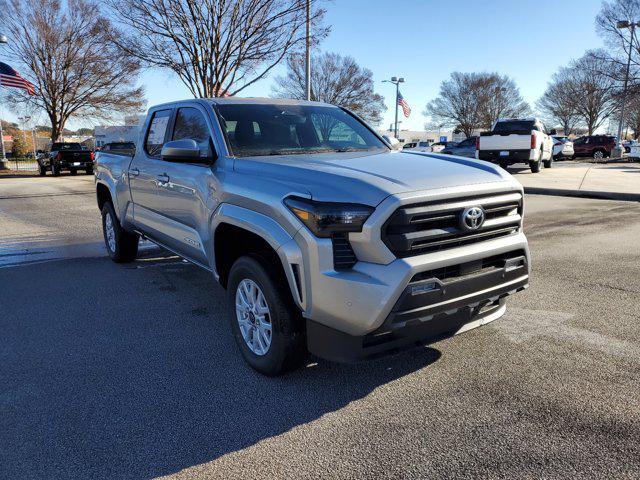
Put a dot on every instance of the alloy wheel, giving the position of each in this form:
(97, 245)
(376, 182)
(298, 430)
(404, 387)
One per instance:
(110, 231)
(254, 318)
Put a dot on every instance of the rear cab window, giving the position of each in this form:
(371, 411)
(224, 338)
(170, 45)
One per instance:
(516, 127)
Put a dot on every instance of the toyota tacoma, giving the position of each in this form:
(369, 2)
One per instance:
(326, 238)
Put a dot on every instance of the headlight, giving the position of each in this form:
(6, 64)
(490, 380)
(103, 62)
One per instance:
(324, 218)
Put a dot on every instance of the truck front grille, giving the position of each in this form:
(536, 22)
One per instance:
(437, 225)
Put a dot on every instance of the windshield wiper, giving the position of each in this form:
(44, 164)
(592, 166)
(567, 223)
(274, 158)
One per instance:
(353, 149)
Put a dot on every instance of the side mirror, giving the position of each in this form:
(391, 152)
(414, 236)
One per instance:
(393, 142)
(180, 151)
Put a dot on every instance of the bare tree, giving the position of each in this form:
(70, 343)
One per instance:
(557, 104)
(470, 101)
(215, 47)
(592, 91)
(63, 48)
(457, 104)
(334, 79)
(632, 111)
(618, 40)
(499, 98)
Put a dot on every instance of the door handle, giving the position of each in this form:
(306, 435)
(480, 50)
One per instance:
(163, 179)
(134, 172)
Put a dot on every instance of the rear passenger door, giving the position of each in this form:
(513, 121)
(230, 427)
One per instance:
(144, 172)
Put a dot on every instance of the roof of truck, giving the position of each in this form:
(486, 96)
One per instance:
(238, 101)
(262, 100)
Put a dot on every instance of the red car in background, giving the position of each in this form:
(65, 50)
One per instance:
(595, 146)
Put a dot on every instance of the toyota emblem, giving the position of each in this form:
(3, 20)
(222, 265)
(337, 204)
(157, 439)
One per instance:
(472, 218)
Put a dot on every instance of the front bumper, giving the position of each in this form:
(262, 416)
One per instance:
(434, 304)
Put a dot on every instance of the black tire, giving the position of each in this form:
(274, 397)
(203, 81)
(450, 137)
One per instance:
(504, 165)
(90, 171)
(55, 169)
(125, 244)
(288, 341)
(74, 171)
(549, 163)
(535, 165)
(42, 170)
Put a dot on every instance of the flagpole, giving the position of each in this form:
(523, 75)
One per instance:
(3, 160)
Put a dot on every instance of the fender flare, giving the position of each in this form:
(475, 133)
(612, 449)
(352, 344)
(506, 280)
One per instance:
(121, 211)
(269, 230)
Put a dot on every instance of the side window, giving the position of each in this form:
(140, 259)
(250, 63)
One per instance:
(157, 130)
(191, 125)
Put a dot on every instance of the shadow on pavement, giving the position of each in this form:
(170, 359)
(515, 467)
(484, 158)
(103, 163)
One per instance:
(111, 371)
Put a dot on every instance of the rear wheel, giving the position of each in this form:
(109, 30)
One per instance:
(74, 171)
(122, 246)
(598, 154)
(42, 170)
(55, 169)
(266, 325)
(89, 171)
(549, 163)
(535, 165)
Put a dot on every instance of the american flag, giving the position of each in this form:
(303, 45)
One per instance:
(10, 78)
(405, 106)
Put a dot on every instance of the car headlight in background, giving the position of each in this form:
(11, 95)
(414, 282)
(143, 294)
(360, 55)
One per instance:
(325, 218)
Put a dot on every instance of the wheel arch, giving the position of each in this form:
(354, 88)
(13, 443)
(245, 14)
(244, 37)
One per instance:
(238, 230)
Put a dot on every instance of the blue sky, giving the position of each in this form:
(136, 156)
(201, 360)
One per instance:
(425, 40)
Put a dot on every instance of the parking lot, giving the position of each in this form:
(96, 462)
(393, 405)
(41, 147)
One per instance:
(130, 371)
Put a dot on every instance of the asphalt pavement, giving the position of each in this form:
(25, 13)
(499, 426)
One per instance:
(130, 371)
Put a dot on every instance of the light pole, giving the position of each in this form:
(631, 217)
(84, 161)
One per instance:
(308, 53)
(3, 159)
(622, 24)
(396, 81)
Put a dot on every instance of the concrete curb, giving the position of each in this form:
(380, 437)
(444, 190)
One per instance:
(629, 197)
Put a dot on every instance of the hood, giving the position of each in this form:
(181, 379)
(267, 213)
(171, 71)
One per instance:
(370, 177)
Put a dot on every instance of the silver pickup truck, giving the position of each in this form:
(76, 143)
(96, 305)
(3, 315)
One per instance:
(326, 238)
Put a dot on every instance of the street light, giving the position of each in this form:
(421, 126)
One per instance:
(622, 24)
(396, 81)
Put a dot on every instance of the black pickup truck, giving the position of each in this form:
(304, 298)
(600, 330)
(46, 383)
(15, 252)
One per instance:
(66, 156)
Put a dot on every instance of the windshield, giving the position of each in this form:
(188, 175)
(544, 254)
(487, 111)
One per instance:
(258, 129)
(508, 127)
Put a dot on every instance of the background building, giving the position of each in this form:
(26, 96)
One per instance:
(128, 132)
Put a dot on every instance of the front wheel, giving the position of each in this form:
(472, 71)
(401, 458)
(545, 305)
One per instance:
(55, 169)
(265, 323)
(598, 155)
(122, 246)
